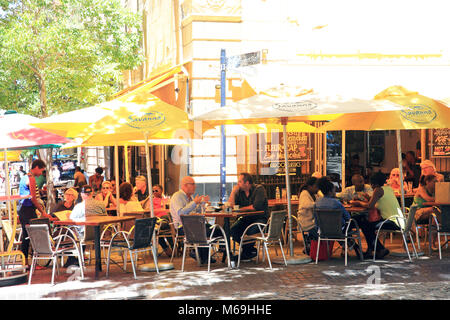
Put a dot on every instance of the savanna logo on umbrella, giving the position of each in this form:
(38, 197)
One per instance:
(147, 120)
(419, 113)
(295, 106)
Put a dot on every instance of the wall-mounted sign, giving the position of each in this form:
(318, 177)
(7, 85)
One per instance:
(441, 142)
(271, 151)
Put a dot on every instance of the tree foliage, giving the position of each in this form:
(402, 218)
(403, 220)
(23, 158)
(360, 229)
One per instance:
(60, 55)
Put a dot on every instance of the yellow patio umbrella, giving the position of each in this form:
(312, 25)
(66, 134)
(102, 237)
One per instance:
(10, 155)
(419, 112)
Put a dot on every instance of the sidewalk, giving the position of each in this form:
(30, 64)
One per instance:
(393, 278)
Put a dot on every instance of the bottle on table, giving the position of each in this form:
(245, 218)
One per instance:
(277, 193)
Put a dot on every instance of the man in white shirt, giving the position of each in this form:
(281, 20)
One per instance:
(183, 202)
(358, 191)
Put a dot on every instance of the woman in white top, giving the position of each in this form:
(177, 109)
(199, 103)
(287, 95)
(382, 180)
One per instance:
(126, 201)
(306, 201)
(394, 180)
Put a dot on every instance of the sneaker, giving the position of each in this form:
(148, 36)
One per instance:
(381, 253)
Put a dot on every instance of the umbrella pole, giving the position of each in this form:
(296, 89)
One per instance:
(400, 168)
(127, 173)
(116, 173)
(291, 259)
(149, 175)
(343, 161)
(151, 266)
(7, 184)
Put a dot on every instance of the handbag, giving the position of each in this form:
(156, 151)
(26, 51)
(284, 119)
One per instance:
(374, 215)
(324, 254)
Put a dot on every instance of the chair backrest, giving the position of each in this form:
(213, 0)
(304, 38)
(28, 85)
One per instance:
(276, 224)
(445, 218)
(143, 232)
(40, 238)
(194, 227)
(329, 222)
(410, 219)
(42, 221)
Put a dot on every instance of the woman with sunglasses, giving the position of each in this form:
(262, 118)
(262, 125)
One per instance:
(106, 195)
(394, 180)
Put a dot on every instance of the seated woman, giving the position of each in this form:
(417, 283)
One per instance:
(329, 201)
(106, 196)
(70, 196)
(307, 199)
(427, 167)
(426, 193)
(383, 199)
(126, 204)
(163, 217)
(394, 180)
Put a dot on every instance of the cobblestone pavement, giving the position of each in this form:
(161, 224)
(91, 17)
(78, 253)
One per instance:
(427, 278)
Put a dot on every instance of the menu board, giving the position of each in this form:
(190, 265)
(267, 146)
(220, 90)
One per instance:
(271, 151)
(441, 143)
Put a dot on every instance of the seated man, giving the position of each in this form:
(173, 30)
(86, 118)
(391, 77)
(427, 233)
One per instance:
(182, 203)
(249, 197)
(358, 191)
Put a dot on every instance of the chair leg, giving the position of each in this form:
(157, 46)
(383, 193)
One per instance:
(175, 245)
(439, 244)
(317, 250)
(406, 246)
(132, 263)
(184, 256)
(54, 261)
(414, 247)
(155, 259)
(209, 257)
(282, 252)
(268, 257)
(33, 263)
(375, 246)
(346, 250)
(418, 238)
(108, 258)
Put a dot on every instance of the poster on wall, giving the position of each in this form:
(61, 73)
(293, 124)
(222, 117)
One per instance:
(271, 155)
(440, 143)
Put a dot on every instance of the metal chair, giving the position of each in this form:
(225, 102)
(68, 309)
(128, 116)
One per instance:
(165, 233)
(269, 233)
(45, 247)
(194, 227)
(442, 228)
(329, 223)
(178, 239)
(142, 242)
(404, 229)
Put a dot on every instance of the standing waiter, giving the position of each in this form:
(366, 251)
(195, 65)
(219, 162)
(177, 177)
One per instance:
(28, 207)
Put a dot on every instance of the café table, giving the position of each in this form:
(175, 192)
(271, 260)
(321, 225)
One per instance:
(226, 221)
(95, 221)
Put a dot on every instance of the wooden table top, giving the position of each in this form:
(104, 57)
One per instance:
(430, 204)
(13, 198)
(94, 220)
(234, 213)
(274, 202)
